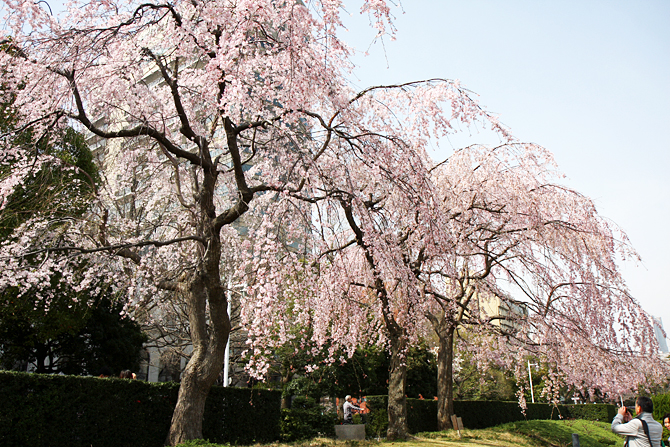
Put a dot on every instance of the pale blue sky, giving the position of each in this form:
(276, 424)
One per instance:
(589, 80)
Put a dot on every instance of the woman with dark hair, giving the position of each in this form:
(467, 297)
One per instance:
(126, 374)
(666, 423)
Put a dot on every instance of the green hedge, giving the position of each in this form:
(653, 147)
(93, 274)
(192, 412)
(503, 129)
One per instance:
(422, 414)
(482, 414)
(53, 411)
(242, 415)
(592, 412)
(306, 419)
(661, 405)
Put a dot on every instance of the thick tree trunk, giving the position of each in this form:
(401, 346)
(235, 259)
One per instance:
(445, 378)
(397, 405)
(40, 356)
(209, 337)
(397, 401)
(285, 380)
(200, 374)
(190, 409)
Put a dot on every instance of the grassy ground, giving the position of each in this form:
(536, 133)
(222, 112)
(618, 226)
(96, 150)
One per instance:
(517, 434)
(532, 434)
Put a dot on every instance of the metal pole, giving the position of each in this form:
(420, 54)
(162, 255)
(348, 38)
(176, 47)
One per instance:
(575, 440)
(530, 380)
(226, 360)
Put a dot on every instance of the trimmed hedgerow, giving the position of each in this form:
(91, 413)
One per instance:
(592, 412)
(422, 414)
(242, 415)
(69, 411)
(378, 418)
(307, 419)
(482, 414)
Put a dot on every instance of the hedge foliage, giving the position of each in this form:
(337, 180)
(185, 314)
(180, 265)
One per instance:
(482, 414)
(422, 414)
(69, 411)
(306, 419)
(661, 405)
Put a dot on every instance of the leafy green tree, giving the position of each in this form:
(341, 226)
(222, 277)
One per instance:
(31, 332)
(107, 339)
(70, 331)
(80, 339)
(474, 382)
(364, 374)
(421, 373)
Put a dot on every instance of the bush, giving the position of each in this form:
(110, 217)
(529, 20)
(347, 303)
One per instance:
(591, 412)
(661, 405)
(69, 411)
(198, 443)
(242, 415)
(422, 414)
(661, 408)
(378, 418)
(482, 414)
(306, 419)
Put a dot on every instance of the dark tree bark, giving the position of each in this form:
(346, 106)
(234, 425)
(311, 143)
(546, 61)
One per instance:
(285, 380)
(397, 400)
(206, 361)
(208, 335)
(445, 378)
(205, 295)
(40, 357)
(445, 324)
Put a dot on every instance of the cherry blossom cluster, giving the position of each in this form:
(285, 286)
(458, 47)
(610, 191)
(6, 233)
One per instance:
(234, 151)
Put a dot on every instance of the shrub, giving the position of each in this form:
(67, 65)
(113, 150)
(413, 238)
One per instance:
(661, 405)
(378, 418)
(198, 443)
(422, 414)
(482, 414)
(69, 411)
(377, 423)
(306, 419)
(592, 412)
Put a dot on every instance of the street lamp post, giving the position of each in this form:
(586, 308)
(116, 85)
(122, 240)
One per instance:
(530, 380)
(226, 362)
